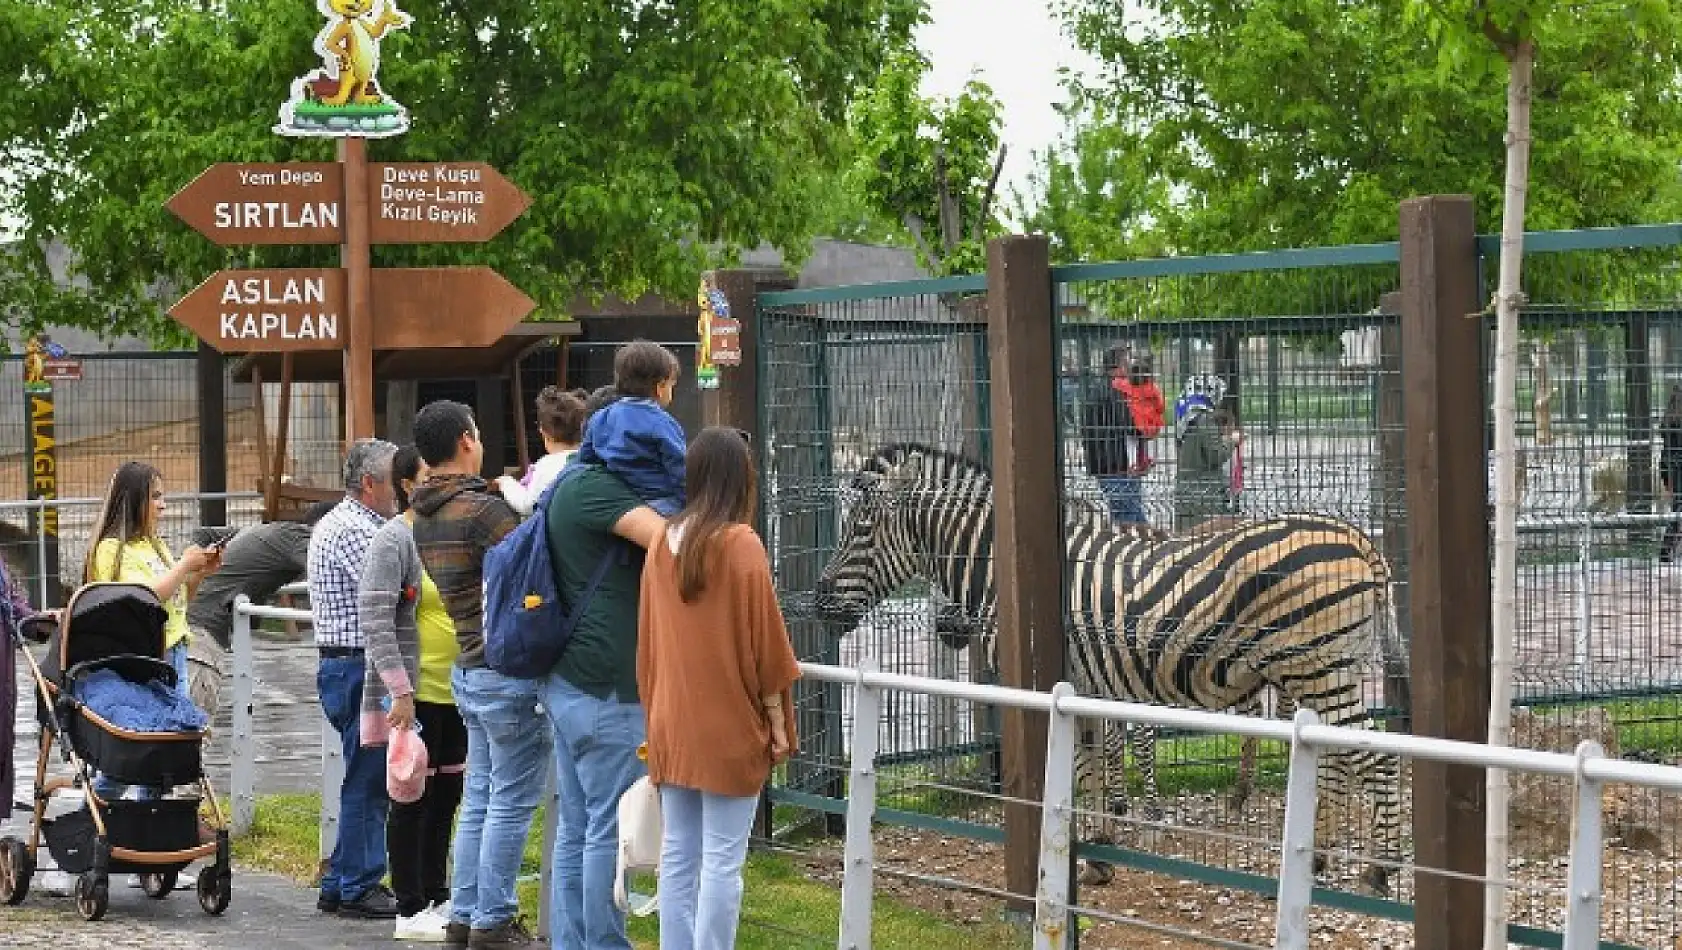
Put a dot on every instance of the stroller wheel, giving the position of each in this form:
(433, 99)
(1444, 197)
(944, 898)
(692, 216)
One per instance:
(93, 896)
(215, 890)
(158, 885)
(15, 871)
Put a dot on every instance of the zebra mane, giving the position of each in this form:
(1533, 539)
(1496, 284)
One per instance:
(891, 456)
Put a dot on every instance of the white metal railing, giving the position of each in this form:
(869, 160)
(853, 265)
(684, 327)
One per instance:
(1590, 768)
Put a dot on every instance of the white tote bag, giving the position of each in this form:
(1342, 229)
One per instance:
(640, 839)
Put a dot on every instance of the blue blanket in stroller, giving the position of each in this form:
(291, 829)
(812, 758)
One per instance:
(141, 707)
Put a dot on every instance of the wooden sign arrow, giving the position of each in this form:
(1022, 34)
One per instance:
(275, 311)
(441, 307)
(267, 311)
(236, 203)
(440, 202)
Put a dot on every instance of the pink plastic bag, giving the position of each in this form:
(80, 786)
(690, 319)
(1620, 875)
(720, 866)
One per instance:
(405, 767)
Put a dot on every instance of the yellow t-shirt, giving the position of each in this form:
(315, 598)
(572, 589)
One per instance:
(438, 646)
(145, 562)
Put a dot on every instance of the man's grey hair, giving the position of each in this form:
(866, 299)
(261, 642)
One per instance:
(367, 457)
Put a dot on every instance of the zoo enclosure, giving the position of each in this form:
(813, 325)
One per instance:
(1316, 356)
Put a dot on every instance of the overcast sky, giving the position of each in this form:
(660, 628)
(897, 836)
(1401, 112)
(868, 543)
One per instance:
(1016, 46)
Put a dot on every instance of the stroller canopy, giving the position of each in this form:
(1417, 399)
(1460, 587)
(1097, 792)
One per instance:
(107, 620)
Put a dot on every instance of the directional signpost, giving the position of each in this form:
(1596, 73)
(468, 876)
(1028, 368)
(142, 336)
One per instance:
(353, 203)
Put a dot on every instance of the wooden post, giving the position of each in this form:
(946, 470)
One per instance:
(517, 393)
(213, 435)
(1447, 494)
(491, 410)
(401, 402)
(359, 331)
(736, 400)
(736, 403)
(1028, 545)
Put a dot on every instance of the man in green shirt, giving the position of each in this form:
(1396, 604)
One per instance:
(591, 697)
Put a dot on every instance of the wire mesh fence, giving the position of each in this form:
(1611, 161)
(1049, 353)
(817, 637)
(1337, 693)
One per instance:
(865, 389)
(842, 377)
(1599, 641)
(1277, 381)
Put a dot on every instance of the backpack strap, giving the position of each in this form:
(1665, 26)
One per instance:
(614, 553)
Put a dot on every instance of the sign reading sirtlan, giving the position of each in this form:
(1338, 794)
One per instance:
(353, 203)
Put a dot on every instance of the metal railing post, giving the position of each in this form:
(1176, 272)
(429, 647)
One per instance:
(858, 873)
(1583, 642)
(1583, 897)
(1052, 918)
(41, 551)
(244, 752)
(1296, 859)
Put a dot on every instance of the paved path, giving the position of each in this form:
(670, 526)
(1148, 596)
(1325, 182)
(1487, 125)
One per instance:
(267, 913)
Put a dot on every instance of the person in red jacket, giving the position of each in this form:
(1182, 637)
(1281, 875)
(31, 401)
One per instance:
(1145, 403)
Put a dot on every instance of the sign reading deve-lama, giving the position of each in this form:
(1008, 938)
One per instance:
(409, 203)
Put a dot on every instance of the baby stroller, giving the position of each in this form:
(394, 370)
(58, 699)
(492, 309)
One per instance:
(117, 627)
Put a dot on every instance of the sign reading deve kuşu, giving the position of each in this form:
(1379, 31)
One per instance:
(267, 311)
(409, 203)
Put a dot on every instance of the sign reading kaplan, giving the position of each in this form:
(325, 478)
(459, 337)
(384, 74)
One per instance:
(266, 311)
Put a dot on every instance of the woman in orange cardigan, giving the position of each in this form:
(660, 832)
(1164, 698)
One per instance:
(714, 670)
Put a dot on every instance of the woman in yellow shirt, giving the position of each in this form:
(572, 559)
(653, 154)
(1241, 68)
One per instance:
(411, 648)
(128, 547)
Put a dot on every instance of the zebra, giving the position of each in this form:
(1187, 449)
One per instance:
(1109, 769)
(1208, 620)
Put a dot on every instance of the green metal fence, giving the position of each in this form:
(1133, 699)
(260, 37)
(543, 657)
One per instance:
(1308, 346)
(843, 372)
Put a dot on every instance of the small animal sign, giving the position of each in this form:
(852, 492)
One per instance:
(345, 98)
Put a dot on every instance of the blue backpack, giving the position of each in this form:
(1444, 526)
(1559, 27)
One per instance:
(526, 626)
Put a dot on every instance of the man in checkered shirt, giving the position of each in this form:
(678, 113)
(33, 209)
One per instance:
(338, 549)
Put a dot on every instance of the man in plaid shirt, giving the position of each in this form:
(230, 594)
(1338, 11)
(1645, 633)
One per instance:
(338, 549)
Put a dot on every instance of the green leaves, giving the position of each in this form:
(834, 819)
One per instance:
(1223, 126)
(912, 151)
(647, 134)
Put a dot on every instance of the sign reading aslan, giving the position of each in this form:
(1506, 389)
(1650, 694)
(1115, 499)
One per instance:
(267, 311)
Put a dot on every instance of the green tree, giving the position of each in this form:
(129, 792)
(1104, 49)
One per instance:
(1288, 123)
(930, 164)
(653, 138)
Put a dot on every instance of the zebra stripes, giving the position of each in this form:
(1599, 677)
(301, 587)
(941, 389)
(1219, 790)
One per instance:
(1209, 620)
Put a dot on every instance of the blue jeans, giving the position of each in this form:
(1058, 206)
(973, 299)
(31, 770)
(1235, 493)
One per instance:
(596, 760)
(507, 750)
(1126, 495)
(109, 790)
(701, 859)
(358, 860)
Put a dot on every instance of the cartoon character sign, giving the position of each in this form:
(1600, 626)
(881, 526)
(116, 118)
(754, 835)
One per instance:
(43, 362)
(719, 334)
(345, 97)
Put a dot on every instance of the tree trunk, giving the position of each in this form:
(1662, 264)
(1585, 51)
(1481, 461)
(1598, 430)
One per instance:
(1508, 300)
(1542, 401)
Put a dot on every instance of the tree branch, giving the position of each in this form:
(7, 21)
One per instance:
(914, 224)
(980, 226)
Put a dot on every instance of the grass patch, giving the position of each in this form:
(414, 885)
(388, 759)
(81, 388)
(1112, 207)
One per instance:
(782, 907)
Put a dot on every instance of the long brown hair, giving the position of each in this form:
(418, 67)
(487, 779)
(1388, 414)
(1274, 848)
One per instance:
(126, 517)
(723, 489)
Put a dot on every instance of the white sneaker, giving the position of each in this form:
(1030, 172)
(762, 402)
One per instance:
(427, 926)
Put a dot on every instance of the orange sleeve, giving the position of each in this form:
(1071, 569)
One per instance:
(775, 666)
(645, 631)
